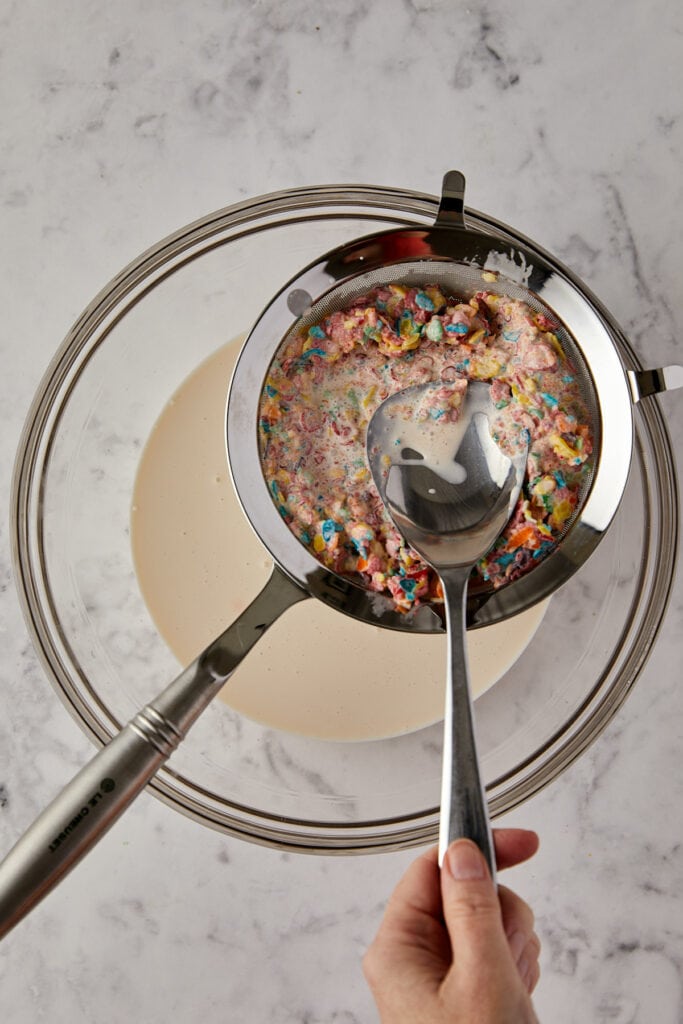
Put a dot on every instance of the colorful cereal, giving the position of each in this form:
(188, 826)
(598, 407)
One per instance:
(326, 382)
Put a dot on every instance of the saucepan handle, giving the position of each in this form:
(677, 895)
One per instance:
(653, 382)
(86, 808)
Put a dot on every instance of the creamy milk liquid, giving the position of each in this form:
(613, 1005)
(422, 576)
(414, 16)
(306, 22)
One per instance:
(198, 562)
(437, 443)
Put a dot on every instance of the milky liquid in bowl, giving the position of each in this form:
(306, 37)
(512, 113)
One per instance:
(316, 672)
(76, 468)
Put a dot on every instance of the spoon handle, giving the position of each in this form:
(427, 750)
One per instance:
(464, 809)
(99, 794)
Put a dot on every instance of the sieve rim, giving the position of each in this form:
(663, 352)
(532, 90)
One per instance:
(527, 267)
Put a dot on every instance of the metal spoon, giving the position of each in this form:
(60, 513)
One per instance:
(449, 489)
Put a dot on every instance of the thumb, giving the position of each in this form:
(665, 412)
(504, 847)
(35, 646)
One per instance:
(472, 912)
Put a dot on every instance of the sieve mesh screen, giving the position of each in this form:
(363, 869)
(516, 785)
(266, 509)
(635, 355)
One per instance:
(461, 281)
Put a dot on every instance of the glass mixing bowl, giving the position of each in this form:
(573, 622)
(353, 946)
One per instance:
(121, 362)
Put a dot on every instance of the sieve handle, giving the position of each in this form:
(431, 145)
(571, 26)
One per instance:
(653, 382)
(464, 809)
(87, 807)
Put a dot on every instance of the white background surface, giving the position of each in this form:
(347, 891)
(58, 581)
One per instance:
(122, 122)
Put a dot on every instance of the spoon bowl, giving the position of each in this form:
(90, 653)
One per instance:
(449, 488)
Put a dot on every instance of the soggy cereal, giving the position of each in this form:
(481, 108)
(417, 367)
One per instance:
(326, 382)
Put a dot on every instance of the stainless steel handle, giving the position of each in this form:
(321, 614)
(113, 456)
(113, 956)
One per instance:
(87, 807)
(464, 809)
(451, 212)
(653, 382)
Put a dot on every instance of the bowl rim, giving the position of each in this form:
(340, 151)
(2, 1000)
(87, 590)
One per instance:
(131, 284)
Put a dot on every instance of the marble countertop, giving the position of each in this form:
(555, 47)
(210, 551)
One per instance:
(123, 122)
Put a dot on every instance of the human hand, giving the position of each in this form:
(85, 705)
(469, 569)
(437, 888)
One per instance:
(453, 950)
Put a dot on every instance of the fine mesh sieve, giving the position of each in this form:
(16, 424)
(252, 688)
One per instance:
(454, 258)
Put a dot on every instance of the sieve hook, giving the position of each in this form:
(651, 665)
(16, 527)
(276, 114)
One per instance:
(452, 206)
(654, 382)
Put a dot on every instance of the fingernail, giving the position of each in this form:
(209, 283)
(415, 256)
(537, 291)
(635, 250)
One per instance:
(524, 968)
(465, 862)
(517, 942)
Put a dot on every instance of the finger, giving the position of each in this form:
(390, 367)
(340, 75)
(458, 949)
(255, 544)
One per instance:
(523, 942)
(528, 966)
(419, 889)
(411, 953)
(524, 949)
(518, 919)
(513, 846)
(412, 941)
(412, 930)
(418, 894)
(472, 911)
